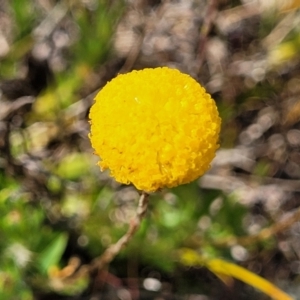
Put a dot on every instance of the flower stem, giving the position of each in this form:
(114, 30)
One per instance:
(113, 250)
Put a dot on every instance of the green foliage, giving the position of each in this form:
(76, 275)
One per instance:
(24, 236)
(98, 24)
(25, 16)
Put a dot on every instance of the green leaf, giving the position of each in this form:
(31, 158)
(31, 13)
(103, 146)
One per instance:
(51, 255)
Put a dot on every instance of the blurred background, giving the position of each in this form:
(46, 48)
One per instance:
(58, 212)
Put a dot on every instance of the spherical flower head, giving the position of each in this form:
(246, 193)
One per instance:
(154, 128)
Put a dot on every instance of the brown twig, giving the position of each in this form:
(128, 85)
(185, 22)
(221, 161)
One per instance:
(110, 253)
(146, 27)
(133, 54)
(263, 235)
(205, 29)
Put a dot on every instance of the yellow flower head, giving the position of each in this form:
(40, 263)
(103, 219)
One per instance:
(154, 128)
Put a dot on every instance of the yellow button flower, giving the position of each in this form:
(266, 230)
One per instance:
(154, 128)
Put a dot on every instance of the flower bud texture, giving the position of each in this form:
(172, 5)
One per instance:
(154, 128)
